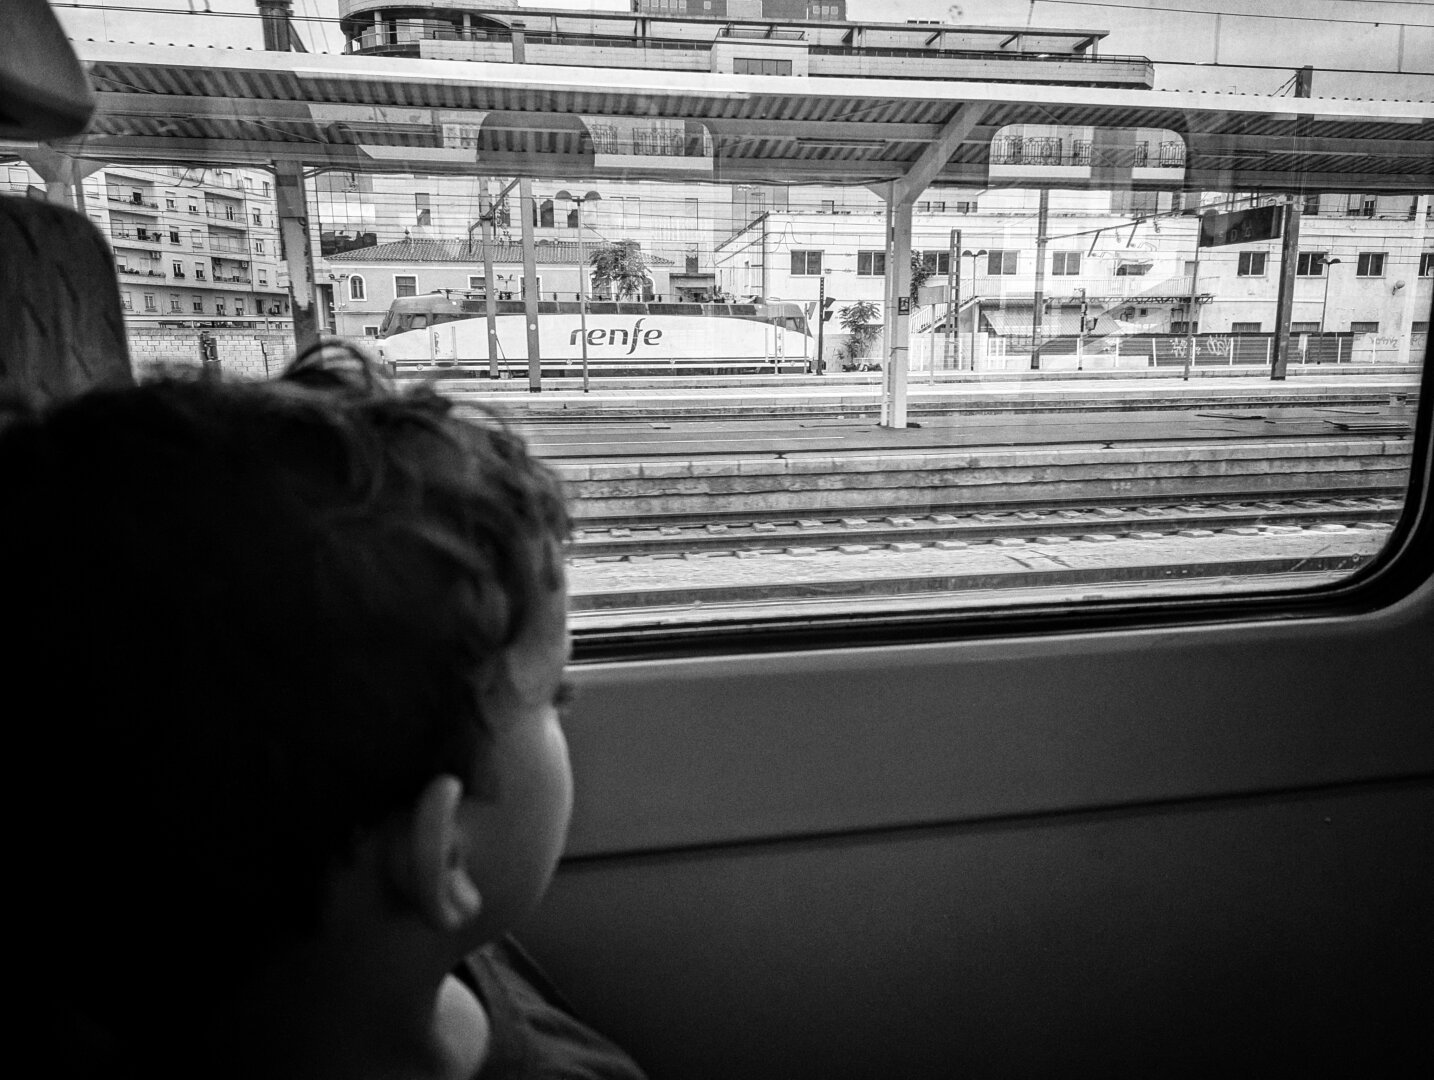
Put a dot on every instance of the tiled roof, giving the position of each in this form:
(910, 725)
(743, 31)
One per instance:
(547, 253)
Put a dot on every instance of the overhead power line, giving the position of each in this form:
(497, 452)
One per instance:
(1237, 14)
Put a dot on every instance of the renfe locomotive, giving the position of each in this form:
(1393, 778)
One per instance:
(444, 330)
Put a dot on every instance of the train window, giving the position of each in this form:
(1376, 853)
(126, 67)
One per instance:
(1143, 374)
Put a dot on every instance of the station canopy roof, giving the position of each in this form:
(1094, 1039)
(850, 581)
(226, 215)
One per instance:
(383, 114)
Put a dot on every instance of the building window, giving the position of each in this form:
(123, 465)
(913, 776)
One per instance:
(1065, 262)
(178, 269)
(169, 204)
(1244, 328)
(477, 283)
(1364, 327)
(174, 236)
(174, 303)
(869, 264)
(263, 277)
(238, 306)
(806, 263)
(370, 331)
(358, 292)
(126, 301)
(1133, 269)
(219, 306)
(258, 247)
(198, 304)
(745, 65)
(266, 187)
(194, 208)
(229, 212)
(1304, 327)
(198, 271)
(931, 208)
(403, 285)
(1252, 264)
(1311, 263)
(1179, 326)
(1002, 262)
(544, 218)
(1360, 206)
(1371, 264)
(936, 262)
(149, 302)
(1426, 264)
(631, 207)
(828, 206)
(966, 207)
(1419, 326)
(258, 218)
(423, 215)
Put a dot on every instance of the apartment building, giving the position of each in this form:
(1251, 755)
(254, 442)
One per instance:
(191, 245)
(1365, 264)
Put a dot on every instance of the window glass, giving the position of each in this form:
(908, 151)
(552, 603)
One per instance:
(738, 454)
(1370, 264)
(870, 263)
(806, 263)
(1002, 262)
(1251, 264)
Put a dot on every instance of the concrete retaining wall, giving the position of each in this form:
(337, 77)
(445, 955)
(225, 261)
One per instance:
(962, 479)
(243, 354)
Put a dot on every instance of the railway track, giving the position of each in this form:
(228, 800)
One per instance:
(848, 532)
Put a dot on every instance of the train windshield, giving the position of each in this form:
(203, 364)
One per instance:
(896, 336)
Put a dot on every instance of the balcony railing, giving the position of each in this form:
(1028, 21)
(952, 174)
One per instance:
(134, 201)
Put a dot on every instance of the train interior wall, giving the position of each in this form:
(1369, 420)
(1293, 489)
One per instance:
(1195, 851)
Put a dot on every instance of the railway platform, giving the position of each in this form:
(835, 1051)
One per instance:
(859, 393)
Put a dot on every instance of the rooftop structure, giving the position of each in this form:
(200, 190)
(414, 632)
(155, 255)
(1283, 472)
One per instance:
(744, 37)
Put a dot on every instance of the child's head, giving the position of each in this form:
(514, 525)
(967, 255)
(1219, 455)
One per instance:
(260, 624)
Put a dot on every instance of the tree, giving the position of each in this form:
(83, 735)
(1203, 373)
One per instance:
(920, 271)
(858, 320)
(619, 267)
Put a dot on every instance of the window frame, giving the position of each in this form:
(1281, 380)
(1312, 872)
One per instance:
(1003, 262)
(358, 287)
(1366, 260)
(870, 257)
(1061, 263)
(403, 278)
(1252, 264)
(806, 255)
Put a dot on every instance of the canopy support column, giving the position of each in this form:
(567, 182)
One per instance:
(900, 196)
(897, 332)
(529, 209)
(298, 252)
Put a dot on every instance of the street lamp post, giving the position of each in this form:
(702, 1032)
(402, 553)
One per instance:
(582, 275)
(1324, 305)
(976, 316)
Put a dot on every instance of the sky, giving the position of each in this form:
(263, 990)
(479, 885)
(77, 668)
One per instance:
(1388, 43)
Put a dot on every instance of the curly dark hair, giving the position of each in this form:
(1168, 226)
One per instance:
(254, 622)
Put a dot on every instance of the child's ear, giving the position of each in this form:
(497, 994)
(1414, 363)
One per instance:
(436, 873)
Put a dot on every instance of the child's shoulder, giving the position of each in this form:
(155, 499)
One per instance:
(535, 1034)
